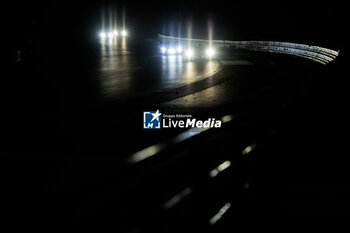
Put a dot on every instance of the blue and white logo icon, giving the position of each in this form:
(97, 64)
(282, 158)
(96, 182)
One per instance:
(151, 120)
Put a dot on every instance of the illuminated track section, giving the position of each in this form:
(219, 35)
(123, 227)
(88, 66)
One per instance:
(314, 53)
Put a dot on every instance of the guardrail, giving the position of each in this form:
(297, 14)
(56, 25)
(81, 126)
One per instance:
(314, 53)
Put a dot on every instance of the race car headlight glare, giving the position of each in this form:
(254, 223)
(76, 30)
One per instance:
(179, 49)
(163, 49)
(189, 53)
(210, 52)
(171, 51)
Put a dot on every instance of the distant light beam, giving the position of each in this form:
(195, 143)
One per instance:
(189, 53)
(179, 49)
(124, 33)
(171, 51)
(210, 52)
(163, 49)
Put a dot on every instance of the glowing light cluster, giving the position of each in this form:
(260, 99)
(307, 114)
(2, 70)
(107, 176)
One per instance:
(113, 34)
(163, 50)
(171, 50)
(209, 52)
(188, 53)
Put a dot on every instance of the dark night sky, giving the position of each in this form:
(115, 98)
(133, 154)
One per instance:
(64, 21)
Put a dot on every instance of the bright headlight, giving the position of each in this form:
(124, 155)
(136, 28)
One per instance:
(171, 51)
(103, 35)
(115, 32)
(189, 53)
(210, 52)
(124, 33)
(179, 49)
(163, 49)
(110, 35)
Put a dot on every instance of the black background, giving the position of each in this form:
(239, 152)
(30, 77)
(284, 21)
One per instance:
(65, 32)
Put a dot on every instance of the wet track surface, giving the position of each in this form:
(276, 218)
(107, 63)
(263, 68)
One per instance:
(121, 74)
(83, 107)
(86, 112)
